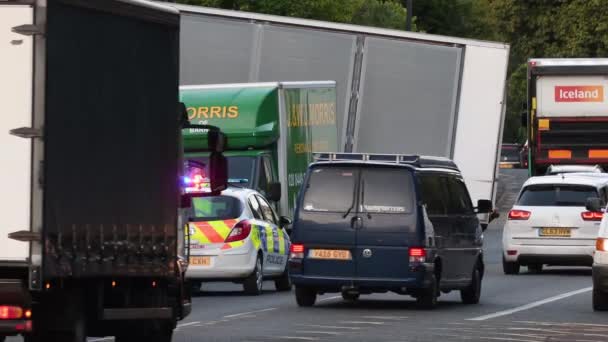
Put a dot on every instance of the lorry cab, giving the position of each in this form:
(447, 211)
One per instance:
(378, 223)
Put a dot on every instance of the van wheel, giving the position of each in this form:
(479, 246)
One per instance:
(350, 297)
(253, 284)
(283, 283)
(600, 300)
(305, 296)
(535, 268)
(510, 267)
(427, 298)
(471, 294)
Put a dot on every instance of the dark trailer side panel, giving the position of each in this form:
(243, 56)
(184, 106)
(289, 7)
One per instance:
(111, 139)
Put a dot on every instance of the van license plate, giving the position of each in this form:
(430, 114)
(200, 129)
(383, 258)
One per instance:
(200, 260)
(557, 232)
(331, 254)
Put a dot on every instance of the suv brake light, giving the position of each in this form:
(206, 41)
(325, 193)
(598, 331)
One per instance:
(11, 312)
(517, 214)
(239, 232)
(296, 251)
(417, 254)
(592, 215)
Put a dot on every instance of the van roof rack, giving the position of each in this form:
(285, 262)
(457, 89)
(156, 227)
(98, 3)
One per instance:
(407, 159)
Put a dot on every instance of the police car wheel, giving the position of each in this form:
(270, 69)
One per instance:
(283, 283)
(253, 283)
(472, 293)
(305, 296)
(427, 298)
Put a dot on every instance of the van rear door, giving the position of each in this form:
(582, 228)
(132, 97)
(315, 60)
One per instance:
(325, 222)
(388, 210)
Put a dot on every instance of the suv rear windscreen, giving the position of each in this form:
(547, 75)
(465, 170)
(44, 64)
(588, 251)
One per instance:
(216, 208)
(387, 190)
(556, 195)
(330, 189)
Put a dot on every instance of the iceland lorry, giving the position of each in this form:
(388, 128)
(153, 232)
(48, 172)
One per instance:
(397, 92)
(272, 129)
(567, 116)
(90, 243)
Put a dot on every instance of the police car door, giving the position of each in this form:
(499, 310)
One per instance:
(276, 245)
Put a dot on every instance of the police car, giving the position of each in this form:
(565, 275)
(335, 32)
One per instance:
(237, 236)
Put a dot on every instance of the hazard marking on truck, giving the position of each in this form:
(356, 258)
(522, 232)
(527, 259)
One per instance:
(579, 93)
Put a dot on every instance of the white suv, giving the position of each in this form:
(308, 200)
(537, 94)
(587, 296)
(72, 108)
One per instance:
(600, 266)
(550, 224)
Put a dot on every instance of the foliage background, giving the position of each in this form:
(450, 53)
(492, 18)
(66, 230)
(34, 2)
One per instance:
(533, 28)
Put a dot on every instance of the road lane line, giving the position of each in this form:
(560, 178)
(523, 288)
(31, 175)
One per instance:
(530, 305)
(330, 298)
(318, 332)
(386, 317)
(361, 322)
(329, 326)
(298, 338)
(187, 324)
(248, 313)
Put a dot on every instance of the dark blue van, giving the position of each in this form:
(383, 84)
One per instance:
(368, 223)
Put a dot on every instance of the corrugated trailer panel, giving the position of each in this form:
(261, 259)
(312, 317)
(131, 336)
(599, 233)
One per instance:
(15, 112)
(111, 141)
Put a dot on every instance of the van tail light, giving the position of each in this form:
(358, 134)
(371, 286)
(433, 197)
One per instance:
(296, 251)
(11, 312)
(239, 232)
(417, 254)
(592, 215)
(516, 214)
(601, 245)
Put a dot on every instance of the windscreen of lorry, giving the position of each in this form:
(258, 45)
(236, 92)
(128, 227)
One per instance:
(216, 208)
(509, 153)
(556, 195)
(387, 191)
(240, 169)
(330, 189)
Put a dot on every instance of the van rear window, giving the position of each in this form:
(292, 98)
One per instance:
(556, 195)
(330, 189)
(387, 191)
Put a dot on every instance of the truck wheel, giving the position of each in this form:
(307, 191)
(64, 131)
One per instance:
(471, 294)
(427, 298)
(305, 296)
(509, 267)
(283, 283)
(535, 268)
(600, 300)
(253, 284)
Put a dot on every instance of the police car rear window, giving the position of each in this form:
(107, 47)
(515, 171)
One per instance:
(216, 208)
(330, 189)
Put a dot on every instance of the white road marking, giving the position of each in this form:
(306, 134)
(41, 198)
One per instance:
(531, 305)
(361, 322)
(328, 326)
(248, 313)
(298, 338)
(187, 324)
(329, 298)
(386, 317)
(318, 332)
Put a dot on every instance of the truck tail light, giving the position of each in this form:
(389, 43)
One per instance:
(601, 245)
(11, 312)
(296, 251)
(516, 214)
(239, 232)
(417, 254)
(592, 216)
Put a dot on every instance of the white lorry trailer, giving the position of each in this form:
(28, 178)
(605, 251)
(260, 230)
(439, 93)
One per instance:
(397, 92)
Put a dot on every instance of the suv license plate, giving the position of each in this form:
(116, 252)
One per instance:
(331, 254)
(200, 261)
(556, 232)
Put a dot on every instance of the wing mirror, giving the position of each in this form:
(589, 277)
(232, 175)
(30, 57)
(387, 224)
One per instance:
(484, 206)
(593, 204)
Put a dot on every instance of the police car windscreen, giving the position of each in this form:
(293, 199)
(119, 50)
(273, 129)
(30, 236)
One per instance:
(387, 191)
(556, 195)
(216, 208)
(330, 189)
